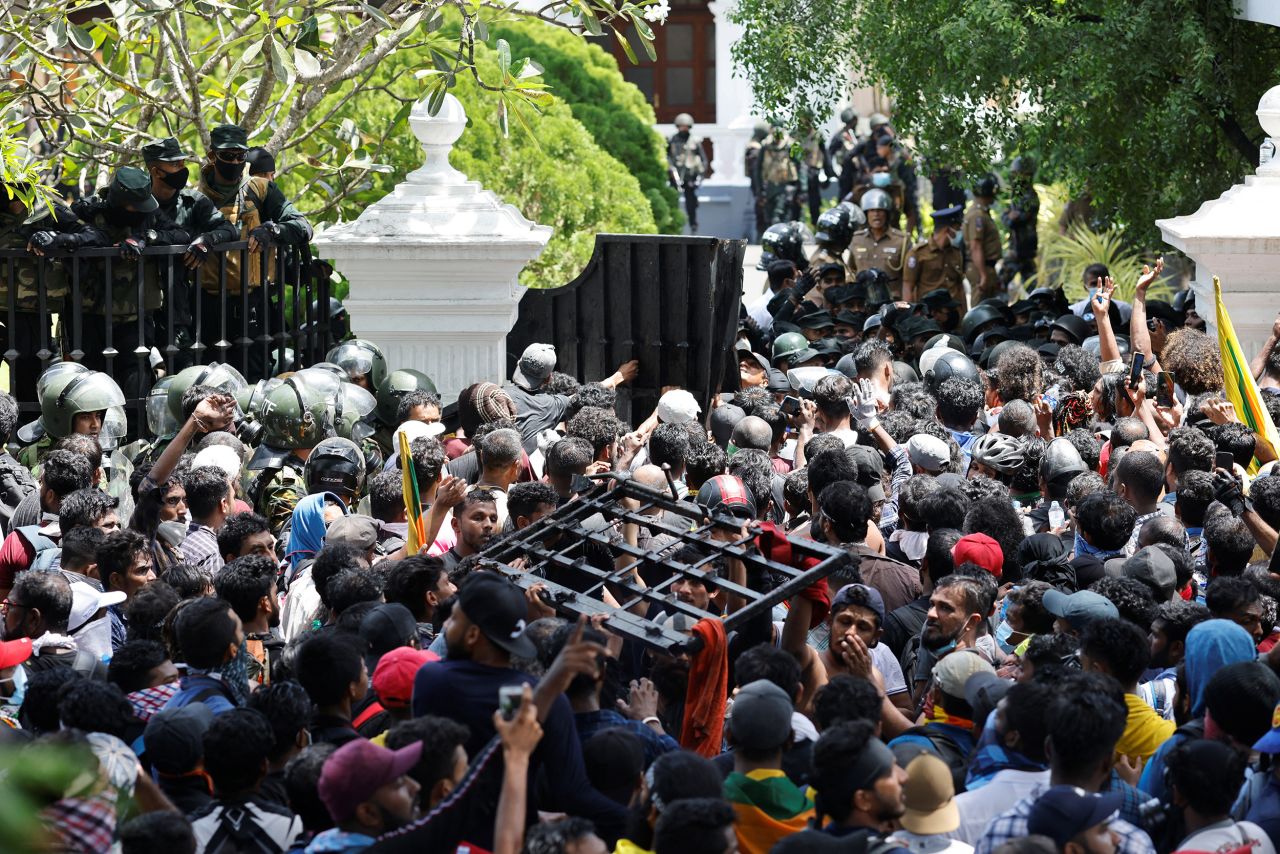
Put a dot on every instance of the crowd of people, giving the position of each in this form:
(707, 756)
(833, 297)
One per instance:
(1056, 630)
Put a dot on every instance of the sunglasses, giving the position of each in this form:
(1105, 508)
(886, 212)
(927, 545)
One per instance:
(230, 156)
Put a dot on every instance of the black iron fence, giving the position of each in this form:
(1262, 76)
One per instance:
(261, 312)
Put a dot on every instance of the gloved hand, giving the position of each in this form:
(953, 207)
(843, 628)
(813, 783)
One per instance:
(862, 406)
(1227, 490)
(196, 252)
(131, 247)
(45, 241)
(265, 235)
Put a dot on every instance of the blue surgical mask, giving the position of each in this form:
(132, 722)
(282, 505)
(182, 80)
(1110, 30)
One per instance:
(19, 686)
(881, 179)
(956, 239)
(1004, 631)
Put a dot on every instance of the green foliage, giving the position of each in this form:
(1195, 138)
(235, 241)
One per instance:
(614, 111)
(1149, 106)
(34, 778)
(554, 172)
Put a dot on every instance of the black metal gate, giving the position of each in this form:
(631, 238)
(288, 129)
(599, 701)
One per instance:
(671, 302)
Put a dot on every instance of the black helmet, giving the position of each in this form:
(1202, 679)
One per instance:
(976, 318)
(1023, 165)
(834, 228)
(1061, 459)
(950, 364)
(783, 241)
(876, 283)
(986, 187)
(335, 465)
(876, 200)
(848, 367)
(857, 219)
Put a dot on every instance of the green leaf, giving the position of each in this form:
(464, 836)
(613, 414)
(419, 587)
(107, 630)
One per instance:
(626, 46)
(481, 30)
(435, 22)
(647, 44)
(376, 15)
(55, 34)
(80, 38)
(306, 63)
(436, 101)
(281, 64)
(592, 23)
(408, 24)
(247, 56)
(308, 37)
(155, 87)
(504, 58)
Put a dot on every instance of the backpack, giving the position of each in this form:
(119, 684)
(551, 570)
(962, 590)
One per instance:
(47, 551)
(948, 751)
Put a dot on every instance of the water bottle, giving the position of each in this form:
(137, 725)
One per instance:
(1056, 516)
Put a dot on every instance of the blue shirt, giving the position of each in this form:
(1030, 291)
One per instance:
(202, 689)
(655, 744)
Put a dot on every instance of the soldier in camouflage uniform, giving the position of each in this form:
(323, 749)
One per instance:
(778, 174)
(749, 160)
(131, 219)
(1021, 217)
(295, 418)
(40, 231)
(260, 214)
(816, 170)
(687, 165)
(194, 213)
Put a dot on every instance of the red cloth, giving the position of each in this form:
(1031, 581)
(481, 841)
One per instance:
(16, 555)
(703, 727)
(775, 546)
(1104, 458)
(456, 447)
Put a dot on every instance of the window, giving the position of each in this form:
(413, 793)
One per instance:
(683, 79)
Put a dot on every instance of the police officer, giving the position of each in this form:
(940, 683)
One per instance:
(262, 215)
(749, 161)
(1021, 217)
(982, 240)
(687, 164)
(39, 232)
(194, 213)
(130, 217)
(835, 229)
(295, 417)
(336, 465)
(778, 176)
(937, 262)
(879, 245)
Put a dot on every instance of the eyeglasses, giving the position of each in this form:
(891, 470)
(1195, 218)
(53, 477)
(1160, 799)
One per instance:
(9, 603)
(230, 156)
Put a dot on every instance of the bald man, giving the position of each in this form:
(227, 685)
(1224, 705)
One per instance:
(752, 432)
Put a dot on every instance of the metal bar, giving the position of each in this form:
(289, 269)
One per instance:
(77, 315)
(244, 341)
(11, 355)
(299, 285)
(171, 348)
(109, 351)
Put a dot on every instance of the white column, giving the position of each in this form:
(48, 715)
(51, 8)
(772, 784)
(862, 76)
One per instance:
(434, 264)
(734, 101)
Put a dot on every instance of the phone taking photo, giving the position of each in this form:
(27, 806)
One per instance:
(1224, 460)
(790, 405)
(1135, 370)
(1164, 389)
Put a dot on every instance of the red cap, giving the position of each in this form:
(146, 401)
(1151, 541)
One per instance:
(979, 549)
(393, 677)
(357, 769)
(14, 652)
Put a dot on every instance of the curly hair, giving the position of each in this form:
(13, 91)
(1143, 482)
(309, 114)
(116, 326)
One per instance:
(997, 519)
(1088, 447)
(913, 398)
(598, 426)
(1079, 366)
(1190, 450)
(1193, 359)
(1132, 599)
(959, 401)
(981, 487)
(1019, 374)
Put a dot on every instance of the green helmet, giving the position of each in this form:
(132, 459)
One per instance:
(56, 373)
(360, 358)
(335, 465)
(396, 384)
(215, 374)
(293, 414)
(788, 343)
(160, 421)
(354, 405)
(73, 393)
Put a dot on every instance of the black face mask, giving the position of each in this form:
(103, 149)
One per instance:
(132, 219)
(228, 171)
(176, 180)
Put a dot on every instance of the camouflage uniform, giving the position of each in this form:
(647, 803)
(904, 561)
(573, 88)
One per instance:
(274, 492)
(777, 175)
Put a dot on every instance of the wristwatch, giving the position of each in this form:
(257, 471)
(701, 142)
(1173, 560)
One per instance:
(151, 235)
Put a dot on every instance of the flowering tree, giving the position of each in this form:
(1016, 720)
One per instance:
(92, 81)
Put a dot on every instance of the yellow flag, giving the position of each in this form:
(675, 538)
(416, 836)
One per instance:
(412, 500)
(1240, 386)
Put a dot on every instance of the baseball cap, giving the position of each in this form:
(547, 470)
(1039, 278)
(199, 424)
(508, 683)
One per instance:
(980, 549)
(132, 186)
(870, 467)
(492, 403)
(761, 718)
(167, 150)
(228, 136)
(174, 738)
(220, 457)
(930, 797)
(1269, 743)
(1064, 812)
(954, 670)
(85, 602)
(359, 768)
(386, 627)
(359, 532)
(678, 407)
(846, 594)
(726, 495)
(723, 419)
(535, 365)
(1080, 608)
(393, 677)
(14, 652)
(928, 452)
(498, 609)
(1153, 568)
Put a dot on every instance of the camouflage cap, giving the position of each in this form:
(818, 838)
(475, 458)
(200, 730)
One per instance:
(167, 150)
(132, 186)
(228, 136)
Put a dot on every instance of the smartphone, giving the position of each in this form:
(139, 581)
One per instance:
(1164, 389)
(1224, 460)
(1135, 370)
(790, 405)
(509, 697)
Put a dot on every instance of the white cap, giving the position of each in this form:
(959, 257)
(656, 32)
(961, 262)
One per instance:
(678, 407)
(85, 602)
(415, 430)
(221, 457)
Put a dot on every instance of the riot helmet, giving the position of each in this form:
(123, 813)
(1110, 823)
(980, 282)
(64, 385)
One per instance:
(834, 229)
(335, 465)
(876, 283)
(986, 187)
(977, 319)
(946, 365)
(684, 119)
(294, 414)
(160, 421)
(1023, 165)
(787, 344)
(75, 393)
(783, 241)
(215, 374)
(394, 387)
(355, 404)
(876, 200)
(55, 374)
(363, 360)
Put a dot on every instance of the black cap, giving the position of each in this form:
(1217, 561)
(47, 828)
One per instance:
(166, 150)
(914, 327)
(940, 298)
(830, 267)
(260, 161)
(1076, 327)
(497, 608)
(815, 320)
(839, 294)
(228, 136)
(386, 627)
(174, 738)
(851, 318)
(132, 186)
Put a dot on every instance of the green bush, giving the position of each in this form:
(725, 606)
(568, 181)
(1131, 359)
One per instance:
(613, 110)
(559, 176)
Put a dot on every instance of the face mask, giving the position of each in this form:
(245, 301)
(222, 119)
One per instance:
(956, 239)
(228, 171)
(19, 682)
(176, 180)
(881, 179)
(130, 219)
(1004, 631)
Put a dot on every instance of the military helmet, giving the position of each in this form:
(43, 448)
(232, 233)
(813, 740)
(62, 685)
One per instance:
(354, 405)
(857, 219)
(216, 374)
(788, 343)
(950, 364)
(1023, 165)
(55, 374)
(976, 318)
(294, 414)
(848, 115)
(394, 387)
(878, 119)
(683, 119)
(160, 421)
(876, 283)
(760, 131)
(783, 241)
(987, 186)
(834, 227)
(360, 358)
(74, 393)
(335, 465)
(876, 200)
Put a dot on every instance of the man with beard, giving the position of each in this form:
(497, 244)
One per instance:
(39, 607)
(857, 780)
(957, 608)
(484, 631)
(475, 521)
(368, 791)
(248, 584)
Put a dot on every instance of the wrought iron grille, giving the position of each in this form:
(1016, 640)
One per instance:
(554, 553)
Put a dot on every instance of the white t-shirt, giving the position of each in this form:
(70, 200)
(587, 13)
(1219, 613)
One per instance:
(887, 663)
(1229, 835)
(979, 806)
(758, 310)
(931, 844)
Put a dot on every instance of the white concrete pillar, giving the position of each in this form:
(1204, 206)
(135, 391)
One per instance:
(433, 265)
